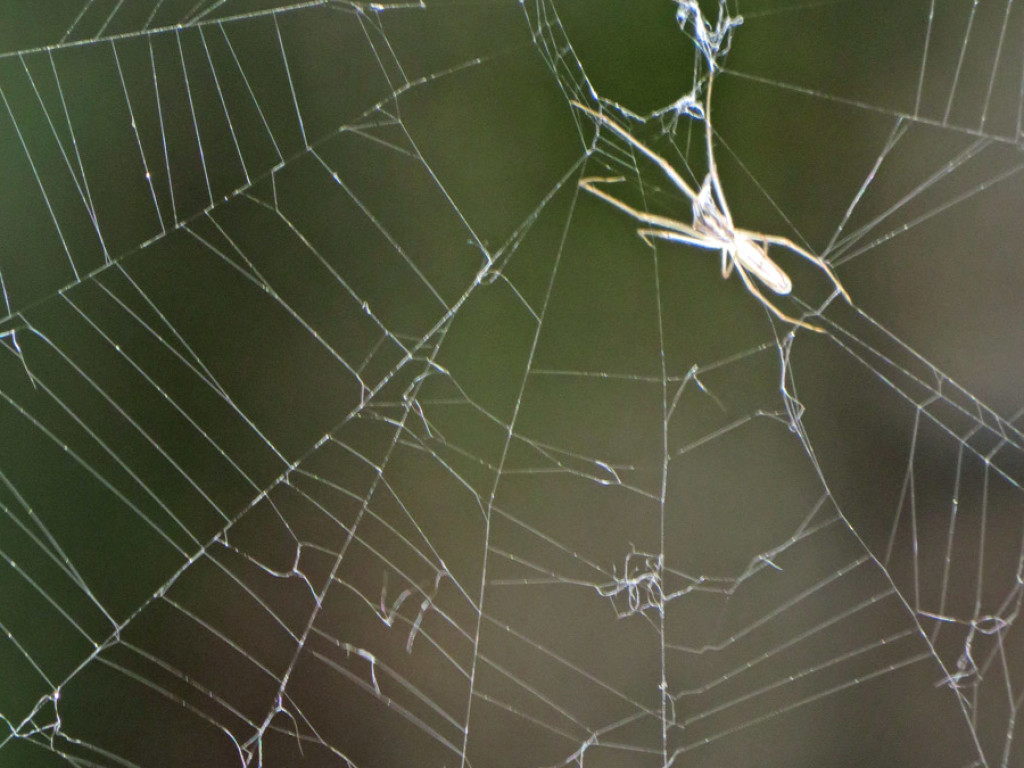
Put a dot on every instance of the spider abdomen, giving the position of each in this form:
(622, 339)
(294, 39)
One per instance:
(752, 257)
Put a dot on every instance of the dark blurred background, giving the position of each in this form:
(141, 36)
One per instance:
(338, 426)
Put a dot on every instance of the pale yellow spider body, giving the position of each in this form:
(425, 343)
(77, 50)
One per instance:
(713, 228)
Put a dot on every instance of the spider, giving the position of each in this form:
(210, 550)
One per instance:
(713, 228)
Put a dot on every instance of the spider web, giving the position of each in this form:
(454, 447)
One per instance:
(340, 427)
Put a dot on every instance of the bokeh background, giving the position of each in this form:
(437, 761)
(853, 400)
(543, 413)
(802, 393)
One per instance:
(338, 427)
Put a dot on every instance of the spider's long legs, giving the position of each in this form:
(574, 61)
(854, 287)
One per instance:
(676, 231)
(727, 269)
(771, 307)
(716, 182)
(640, 146)
(590, 183)
(785, 242)
(684, 237)
(716, 229)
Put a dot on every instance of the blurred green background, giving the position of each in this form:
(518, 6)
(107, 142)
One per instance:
(339, 427)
